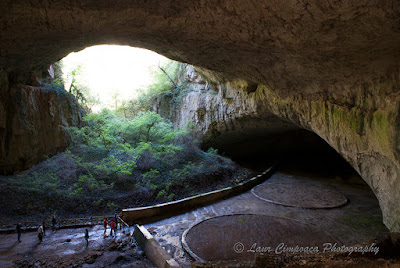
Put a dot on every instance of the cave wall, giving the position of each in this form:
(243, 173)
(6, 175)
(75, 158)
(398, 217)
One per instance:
(331, 67)
(33, 122)
(364, 130)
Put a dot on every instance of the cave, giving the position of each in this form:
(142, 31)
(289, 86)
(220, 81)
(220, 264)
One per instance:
(293, 78)
(258, 147)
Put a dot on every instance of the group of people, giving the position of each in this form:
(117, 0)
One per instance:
(41, 229)
(113, 225)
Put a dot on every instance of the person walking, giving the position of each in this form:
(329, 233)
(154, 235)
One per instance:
(40, 233)
(53, 223)
(44, 228)
(115, 228)
(105, 226)
(19, 232)
(112, 226)
(87, 237)
(116, 219)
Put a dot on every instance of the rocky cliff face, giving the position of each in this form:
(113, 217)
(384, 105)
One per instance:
(364, 130)
(331, 67)
(32, 125)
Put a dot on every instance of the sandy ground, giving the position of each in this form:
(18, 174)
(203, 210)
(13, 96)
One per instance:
(67, 248)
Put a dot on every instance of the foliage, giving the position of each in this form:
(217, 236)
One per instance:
(87, 184)
(146, 126)
(111, 165)
(166, 85)
(130, 153)
(47, 181)
(165, 77)
(211, 150)
(131, 144)
(74, 84)
(143, 151)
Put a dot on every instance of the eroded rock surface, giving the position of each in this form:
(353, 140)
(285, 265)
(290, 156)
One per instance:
(365, 132)
(33, 122)
(285, 45)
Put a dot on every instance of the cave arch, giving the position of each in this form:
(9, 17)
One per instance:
(332, 68)
(291, 147)
(284, 46)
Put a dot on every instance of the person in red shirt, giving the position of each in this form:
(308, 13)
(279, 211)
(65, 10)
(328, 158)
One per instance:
(112, 226)
(105, 225)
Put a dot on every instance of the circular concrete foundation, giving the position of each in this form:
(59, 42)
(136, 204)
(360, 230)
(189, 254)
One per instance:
(240, 237)
(304, 195)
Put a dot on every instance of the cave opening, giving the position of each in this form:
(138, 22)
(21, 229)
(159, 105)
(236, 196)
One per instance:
(292, 147)
(313, 182)
(108, 76)
(297, 152)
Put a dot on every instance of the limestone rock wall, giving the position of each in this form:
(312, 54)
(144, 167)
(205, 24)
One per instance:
(365, 131)
(219, 107)
(32, 125)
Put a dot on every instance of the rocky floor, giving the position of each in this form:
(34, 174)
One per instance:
(357, 222)
(67, 248)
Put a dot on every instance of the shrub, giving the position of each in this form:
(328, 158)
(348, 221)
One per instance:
(213, 151)
(145, 160)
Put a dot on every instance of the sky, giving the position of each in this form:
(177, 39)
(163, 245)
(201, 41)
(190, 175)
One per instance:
(107, 69)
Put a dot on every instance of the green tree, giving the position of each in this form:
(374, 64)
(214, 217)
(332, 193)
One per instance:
(165, 81)
(79, 88)
(98, 130)
(115, 98)
(146, 126)
(165, 77)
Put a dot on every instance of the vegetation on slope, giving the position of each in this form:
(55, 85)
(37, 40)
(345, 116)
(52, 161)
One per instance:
(120, 158)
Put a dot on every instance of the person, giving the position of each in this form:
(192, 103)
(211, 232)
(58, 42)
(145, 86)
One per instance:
(105, 226)
(44, 228)
(87, 237)
(116, 220)
(40, 233)
(122, 225)
(112, 226)
(53, 223)
(131, 239)
(19, 232)
(115, 228)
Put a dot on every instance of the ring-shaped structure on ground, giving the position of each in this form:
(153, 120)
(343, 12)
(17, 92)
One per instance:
(241, 236)
(304, 195)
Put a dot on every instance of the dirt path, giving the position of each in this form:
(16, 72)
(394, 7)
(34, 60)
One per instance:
(67, 247)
